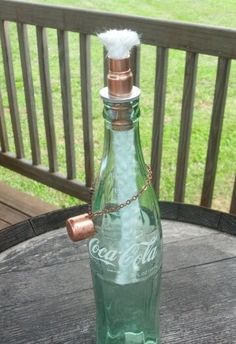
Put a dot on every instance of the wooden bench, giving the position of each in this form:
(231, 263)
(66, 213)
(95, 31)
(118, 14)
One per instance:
(194, 40)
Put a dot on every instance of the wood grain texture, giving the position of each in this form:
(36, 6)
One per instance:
(172, 234)
(29, 92)
(227, 223)
(220, 95)
(11, 215)
(191, 37)
(158, 115)
(199, 215)
(44, 73)
(19, 232)
(55, 219)
(11, 88)
(25, 203)
(46, 290)
(185, 125)
(233, 200)
(17, 206)
(195, 214)
(105, 67)
(135, 64)
(189, 214)
(15, 234)
(3, 131)
(4, 224)
(63, 48)
(86, 99)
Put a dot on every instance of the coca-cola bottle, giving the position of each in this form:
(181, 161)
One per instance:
(126, 247)
(125, 253)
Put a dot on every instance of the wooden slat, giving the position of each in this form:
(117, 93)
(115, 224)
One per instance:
(11, 88)
(29, 92)
(185, 125)
(233, 200)
(135, 65)
(63, 48)
(105, 67)
(39, 173)
(22, 202)
(47, 97)
(22, 231)
(11, 215)
(4, 224)
(215, 131)
(192, 37)
(158, 114)
(85, 73)
(3, 131)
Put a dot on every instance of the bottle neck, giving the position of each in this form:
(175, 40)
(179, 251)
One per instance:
(122, 140)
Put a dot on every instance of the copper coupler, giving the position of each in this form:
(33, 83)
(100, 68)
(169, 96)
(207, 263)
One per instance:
(119, 78)
(80, 227)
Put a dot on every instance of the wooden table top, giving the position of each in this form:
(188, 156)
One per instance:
(46, 291)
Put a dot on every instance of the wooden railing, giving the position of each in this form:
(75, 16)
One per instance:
(164, 35)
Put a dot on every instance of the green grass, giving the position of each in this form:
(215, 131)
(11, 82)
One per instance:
(217, 12)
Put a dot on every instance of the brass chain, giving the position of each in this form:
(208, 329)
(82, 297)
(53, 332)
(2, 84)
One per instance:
(124, 204)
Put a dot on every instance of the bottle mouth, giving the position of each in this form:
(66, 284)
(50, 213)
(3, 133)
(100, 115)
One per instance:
(120, 90)
(106, 96)
(121, 116)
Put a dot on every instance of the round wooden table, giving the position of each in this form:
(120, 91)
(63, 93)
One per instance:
(46, 291)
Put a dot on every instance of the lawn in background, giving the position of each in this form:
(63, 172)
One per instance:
(197, 11)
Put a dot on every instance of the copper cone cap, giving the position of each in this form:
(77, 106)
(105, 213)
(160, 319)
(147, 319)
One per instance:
(80, 227)
(120, 77)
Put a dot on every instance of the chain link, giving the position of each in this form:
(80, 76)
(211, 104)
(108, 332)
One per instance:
(124, 204)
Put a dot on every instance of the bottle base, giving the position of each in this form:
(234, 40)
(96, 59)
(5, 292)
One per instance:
(129, 338)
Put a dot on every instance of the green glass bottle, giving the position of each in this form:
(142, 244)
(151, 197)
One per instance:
(125, 245)
(126, 251)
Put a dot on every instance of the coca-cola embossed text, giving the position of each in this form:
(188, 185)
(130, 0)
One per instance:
(136, 255)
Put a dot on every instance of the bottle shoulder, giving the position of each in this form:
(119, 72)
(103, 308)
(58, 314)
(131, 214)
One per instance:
(138, 217)
(111, 194)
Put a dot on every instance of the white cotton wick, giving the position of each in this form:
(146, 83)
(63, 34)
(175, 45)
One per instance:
(119, 42)
(125, 170)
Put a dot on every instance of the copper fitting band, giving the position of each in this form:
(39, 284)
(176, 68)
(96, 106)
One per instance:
(121, 117)
(80, 227)
(119, 66)
(122, 125)
(120, 77)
